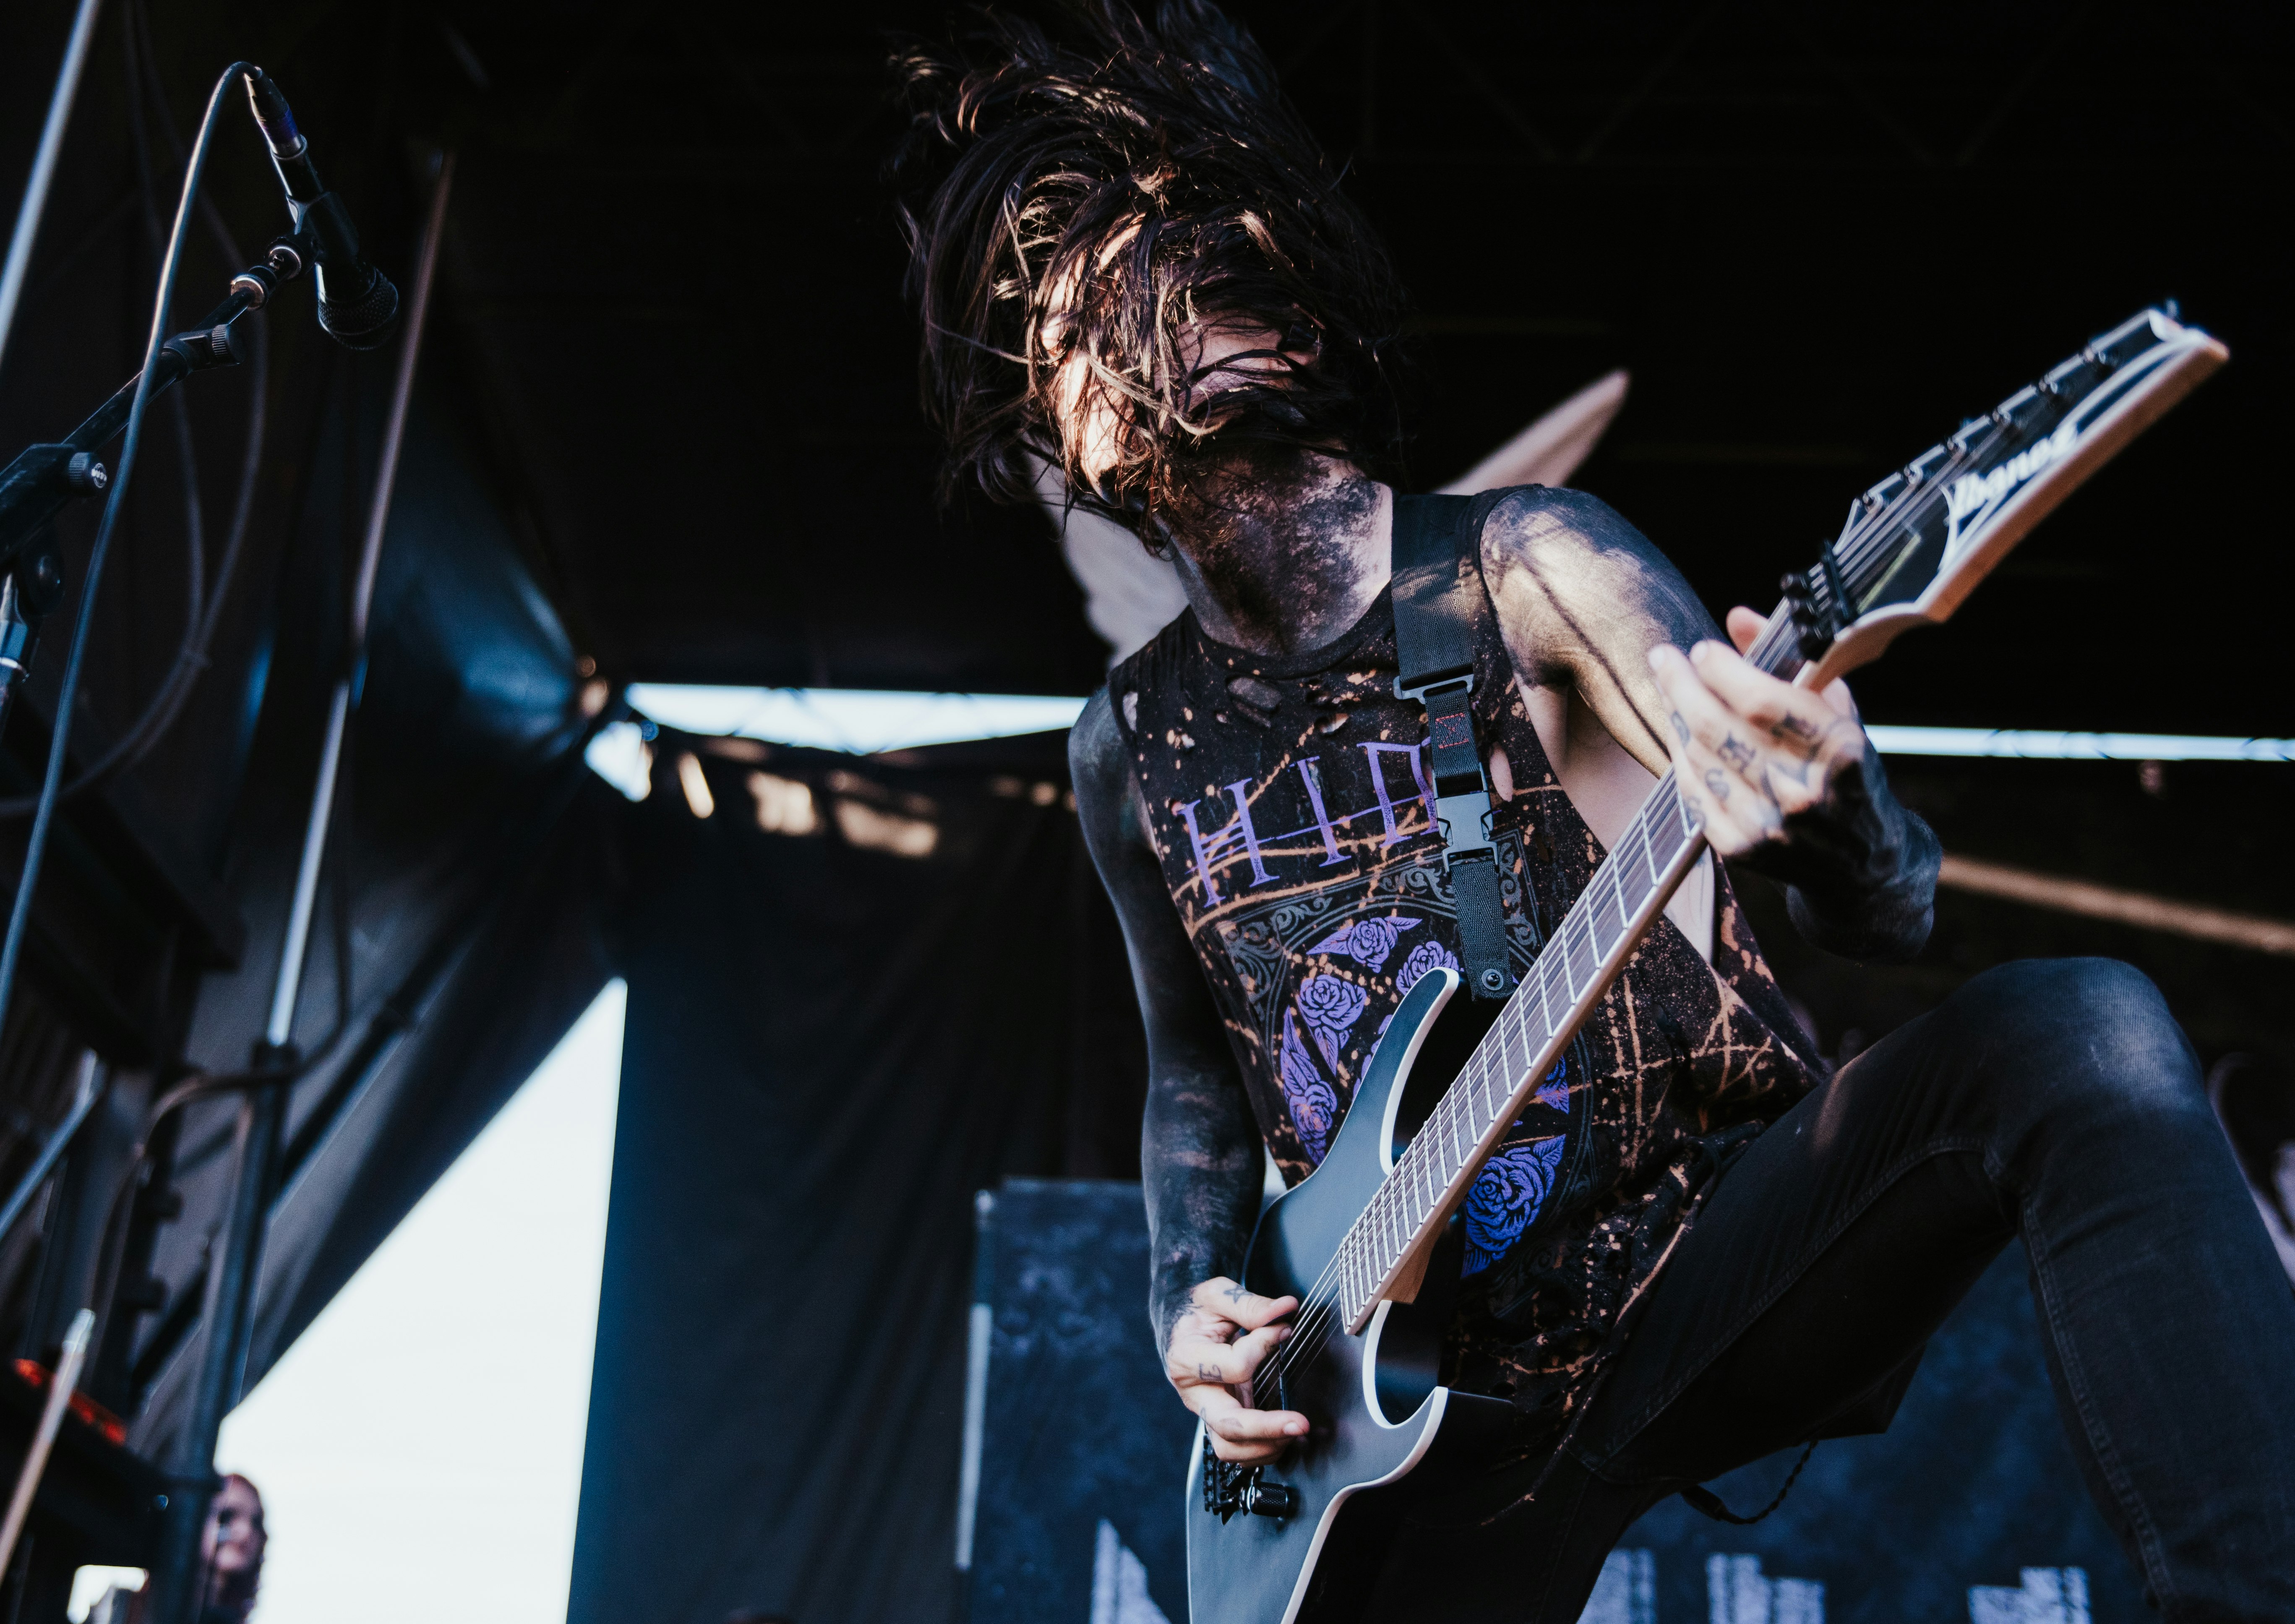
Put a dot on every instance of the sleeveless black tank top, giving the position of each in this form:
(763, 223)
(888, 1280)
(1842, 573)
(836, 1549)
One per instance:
(1288, 802)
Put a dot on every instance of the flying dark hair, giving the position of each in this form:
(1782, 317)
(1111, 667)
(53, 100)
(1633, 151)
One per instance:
(1124, 180)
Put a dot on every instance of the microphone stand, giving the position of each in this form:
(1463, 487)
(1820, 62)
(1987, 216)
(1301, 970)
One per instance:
(43, 480)
(178, 1577)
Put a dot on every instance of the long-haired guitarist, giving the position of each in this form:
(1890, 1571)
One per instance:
(1135, 266)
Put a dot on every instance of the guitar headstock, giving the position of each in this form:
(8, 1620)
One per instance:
(1916, 544)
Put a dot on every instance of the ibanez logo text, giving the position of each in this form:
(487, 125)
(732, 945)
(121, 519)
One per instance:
(1978, 494)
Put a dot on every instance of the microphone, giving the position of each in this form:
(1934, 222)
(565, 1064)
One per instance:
(357, 305)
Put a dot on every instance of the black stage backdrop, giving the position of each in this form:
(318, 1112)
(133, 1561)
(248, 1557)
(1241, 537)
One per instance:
(831, 1047)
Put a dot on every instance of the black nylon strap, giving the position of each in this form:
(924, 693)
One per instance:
(1434, 618)
(1481, 925)
(1438, 590)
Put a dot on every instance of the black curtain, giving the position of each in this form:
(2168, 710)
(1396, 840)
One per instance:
(834, 1038)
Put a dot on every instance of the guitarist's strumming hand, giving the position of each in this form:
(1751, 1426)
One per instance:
(1786, 783)
(1214, 1348)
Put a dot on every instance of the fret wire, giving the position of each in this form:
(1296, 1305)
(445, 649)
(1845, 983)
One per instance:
(1630, 874)
(1544, 1002)
(1589, 939)
(1632, 833)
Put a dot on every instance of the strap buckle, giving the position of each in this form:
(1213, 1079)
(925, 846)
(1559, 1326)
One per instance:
(1465, 820)
(1462, 681)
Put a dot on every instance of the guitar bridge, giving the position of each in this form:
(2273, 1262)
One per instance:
(1229, 1487)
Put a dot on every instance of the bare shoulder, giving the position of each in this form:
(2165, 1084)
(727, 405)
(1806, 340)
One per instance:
(1548, 530)
(1568, 572)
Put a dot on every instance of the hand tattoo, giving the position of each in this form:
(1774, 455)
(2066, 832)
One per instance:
(1789, 726)
(1736, 752)
(1209, 1373)
(1236, 1293)
(1680, 727)
(1715, 782)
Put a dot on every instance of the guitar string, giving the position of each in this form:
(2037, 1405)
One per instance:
(1906, 512)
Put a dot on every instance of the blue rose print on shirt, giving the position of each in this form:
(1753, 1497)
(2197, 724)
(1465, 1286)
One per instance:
(1555, 1091)
(1505, 1198)
(1330, 1007)
(1367, 942)
(1426, 956)
(1314, 1103)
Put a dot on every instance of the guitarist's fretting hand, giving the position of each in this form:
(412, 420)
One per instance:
(1785, 781)
(1214, 1348)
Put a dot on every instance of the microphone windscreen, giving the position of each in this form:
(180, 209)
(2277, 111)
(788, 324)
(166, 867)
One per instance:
(364, 323)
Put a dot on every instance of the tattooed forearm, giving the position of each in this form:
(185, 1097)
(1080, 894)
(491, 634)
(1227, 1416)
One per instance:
(1583, 598)
(1861, 871)
(1200, 1162)
(1199, 1153)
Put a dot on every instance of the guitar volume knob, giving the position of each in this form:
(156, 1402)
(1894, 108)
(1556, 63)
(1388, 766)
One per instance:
(1265, 1499)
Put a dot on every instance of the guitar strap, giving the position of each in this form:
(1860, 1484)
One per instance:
(1438, 607)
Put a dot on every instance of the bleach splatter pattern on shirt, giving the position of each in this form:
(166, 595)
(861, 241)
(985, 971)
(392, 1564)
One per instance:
(1289, 806)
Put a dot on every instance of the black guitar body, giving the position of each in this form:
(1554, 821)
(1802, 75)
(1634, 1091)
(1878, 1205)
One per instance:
(1298, 1539)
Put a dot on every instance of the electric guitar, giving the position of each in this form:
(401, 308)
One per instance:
(1354, 1241)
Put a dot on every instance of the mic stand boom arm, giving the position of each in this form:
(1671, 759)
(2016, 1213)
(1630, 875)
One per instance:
(44, 479)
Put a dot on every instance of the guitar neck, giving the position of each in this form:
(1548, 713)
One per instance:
(1599, 935)
(1630, 888)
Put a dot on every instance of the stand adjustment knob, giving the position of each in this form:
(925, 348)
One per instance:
(82, 472)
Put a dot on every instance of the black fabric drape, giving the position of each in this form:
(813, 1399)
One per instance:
(830, 1048)
(454, 938)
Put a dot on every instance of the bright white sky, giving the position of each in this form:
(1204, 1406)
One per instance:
(419, 1447)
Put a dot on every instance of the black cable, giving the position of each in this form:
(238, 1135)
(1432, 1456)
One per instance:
(1705, 1503)
(19, 915)
(203, 614)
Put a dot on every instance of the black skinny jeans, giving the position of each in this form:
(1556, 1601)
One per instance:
(2054, 1099)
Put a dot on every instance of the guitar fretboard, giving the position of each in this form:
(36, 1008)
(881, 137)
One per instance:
(1531, 1031)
